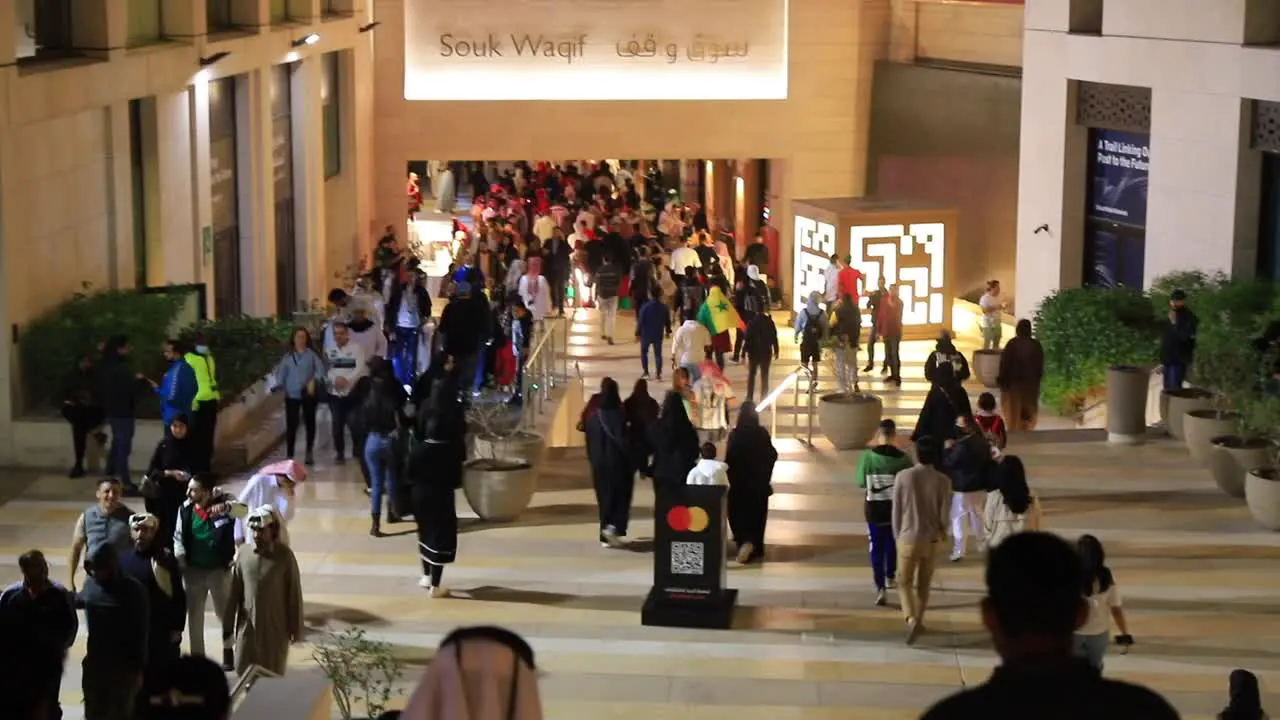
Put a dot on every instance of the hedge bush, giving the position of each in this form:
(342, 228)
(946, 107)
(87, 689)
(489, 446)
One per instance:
(50, 346)
(1086, 330)
(244, 349)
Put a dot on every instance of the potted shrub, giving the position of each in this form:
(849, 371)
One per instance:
(848, 419)
(986, 367)
(363, 672)
(497, 487)
(1262, 483)
(1175, 404)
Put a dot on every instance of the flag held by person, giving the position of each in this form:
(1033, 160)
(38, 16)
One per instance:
(718, 315)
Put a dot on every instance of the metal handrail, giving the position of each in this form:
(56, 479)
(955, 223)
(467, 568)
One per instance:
(538, 368)
(769, 402)
(246, 680)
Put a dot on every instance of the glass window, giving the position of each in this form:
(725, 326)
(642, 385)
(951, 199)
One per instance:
(279, 11)
(144, 23)
(139, 194)
(332, 110)
(218, 14)
(43, 28)
(1269, 218)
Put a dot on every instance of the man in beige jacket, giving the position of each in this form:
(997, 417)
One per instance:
(921, 500)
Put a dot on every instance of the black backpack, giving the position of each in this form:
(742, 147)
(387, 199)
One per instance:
(812, 334)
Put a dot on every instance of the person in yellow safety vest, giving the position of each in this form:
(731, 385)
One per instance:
(204, 410)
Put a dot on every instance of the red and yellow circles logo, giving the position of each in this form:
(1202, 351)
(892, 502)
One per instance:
(687, 519)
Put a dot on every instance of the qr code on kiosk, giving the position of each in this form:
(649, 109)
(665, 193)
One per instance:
(687, 558)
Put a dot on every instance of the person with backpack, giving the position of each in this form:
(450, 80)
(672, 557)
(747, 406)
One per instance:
(811, 329)
(967, 461)
(761, 348)
(877, 470)
(750, 297)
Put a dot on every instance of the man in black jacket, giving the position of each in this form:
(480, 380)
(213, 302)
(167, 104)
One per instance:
(1178, 345)
(608, 279)
(154, 567)
(761, 348)
(118, 387)
(1032, 608)
(38, 616)
(557, 258)
(117, 616)
(408, 309)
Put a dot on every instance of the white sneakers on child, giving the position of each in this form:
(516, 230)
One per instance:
(424, 582)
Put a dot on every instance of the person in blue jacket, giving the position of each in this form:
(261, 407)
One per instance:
(177, 389)
(653, 322)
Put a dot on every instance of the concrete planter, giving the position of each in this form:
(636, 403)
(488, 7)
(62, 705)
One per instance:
(986, 367)
(1127, 404)
(1231, 457)
(527, 447)
(1175, 404)
(1200, 427)
(1262, 493)
(499, 490)
(849, 421)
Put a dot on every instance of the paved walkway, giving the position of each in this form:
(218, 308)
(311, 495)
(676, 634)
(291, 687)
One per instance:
(1198, 578)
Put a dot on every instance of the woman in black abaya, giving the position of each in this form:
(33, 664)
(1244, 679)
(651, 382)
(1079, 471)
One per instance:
(675, 445)
(945, 402)
(612, 471)
(751, 456)
(435, 466)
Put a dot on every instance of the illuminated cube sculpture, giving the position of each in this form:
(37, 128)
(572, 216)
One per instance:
(902, 242)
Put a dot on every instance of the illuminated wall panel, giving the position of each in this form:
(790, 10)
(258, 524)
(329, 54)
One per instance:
(815, 241)
(595, 50)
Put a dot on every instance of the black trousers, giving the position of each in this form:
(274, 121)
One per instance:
(204, 421)
(340, 407)
(748, 515)
(871, 347)
(891, 359)
(558, 282)
(761, 365)
(109, 690)
(613, 498)
(83, 420)
(303, 409)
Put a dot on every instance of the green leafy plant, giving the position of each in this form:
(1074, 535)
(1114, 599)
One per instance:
(1195, 283)
(1084, 331)
(244, 348)
(50, 345)
(1227, 363)
(362, 671)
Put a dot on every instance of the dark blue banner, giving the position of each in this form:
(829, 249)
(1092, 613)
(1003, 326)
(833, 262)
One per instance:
(1118, 169)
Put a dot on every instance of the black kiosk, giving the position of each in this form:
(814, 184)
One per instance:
(689, 567)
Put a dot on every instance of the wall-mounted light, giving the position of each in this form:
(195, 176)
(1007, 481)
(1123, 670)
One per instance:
(207, 61)
(311, 39)
(370, 26)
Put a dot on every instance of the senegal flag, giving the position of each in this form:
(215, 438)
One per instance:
(718, 315)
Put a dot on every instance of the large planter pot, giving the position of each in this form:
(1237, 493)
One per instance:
(986, 366)
(1262, 493)
(1175, 404)
(849, 421)
(498, 490)
(524, 446)
(1126, 404)
(1231, 457)
(1200, 427)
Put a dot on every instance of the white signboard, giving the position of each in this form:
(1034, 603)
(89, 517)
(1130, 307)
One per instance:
(595, 50)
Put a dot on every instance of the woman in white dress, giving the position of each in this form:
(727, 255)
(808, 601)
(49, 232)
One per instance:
(272, 486)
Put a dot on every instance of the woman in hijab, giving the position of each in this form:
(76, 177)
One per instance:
(435, 469)
(675, 445)
(945, 402)
(535, 290)
(641, 411)
(1021, 370)
(612, 472)
(751, 456)
(1246, 700)
(479, 673)
(164, 487)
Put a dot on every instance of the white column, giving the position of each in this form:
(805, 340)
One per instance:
(256, 193)
(359, 146)
(307, 116)
(166, 148)
(120, 166)
(201, 188)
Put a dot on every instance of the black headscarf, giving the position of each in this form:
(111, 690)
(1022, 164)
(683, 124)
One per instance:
(747, 416)
(610, 397)
(1246, 701)
(674, 419)
(1013, 485)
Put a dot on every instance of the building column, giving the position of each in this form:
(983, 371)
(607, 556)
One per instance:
(202, 186)
(8, 33)
(307, 117)
(902, 30)
(782, 220)
(166, 152)
(306, 11)
(122, 273)
(99, 28)
(184, 20)
(720, 182)
(746, 221)
(8, 394)
(256, 193)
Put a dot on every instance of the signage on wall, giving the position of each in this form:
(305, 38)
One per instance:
(595, 50)
(912, 257)
(1119, 165)
(689, 568)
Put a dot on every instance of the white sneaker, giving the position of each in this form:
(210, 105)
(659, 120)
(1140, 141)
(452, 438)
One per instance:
(424, 582)
(957, 557)
(438, 592)
(609, 538)
(881, 598)
(744, 553)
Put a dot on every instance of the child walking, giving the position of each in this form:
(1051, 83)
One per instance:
(1103, 598)
(877, 469)
(991, 423)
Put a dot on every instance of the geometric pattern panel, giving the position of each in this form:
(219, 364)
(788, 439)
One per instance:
(815, 243)
(911, 257)
(1117, 107)
(1265, 126)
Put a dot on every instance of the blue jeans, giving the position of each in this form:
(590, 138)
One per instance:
(121, 448)
(1174, 374)
(884, 553)
(657, 355)
(694, 373)
(404, 354)
(380, 457)
(1092, 648)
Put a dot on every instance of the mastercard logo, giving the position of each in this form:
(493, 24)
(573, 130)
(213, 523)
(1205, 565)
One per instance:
(687, 519)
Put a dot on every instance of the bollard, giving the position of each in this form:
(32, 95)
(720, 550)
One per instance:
(1127, 405)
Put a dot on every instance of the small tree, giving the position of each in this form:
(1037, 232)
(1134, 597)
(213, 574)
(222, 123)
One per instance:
(497, 423)
(1227, 364)
(362, 671)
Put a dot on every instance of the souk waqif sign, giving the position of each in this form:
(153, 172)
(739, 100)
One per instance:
(595, 49)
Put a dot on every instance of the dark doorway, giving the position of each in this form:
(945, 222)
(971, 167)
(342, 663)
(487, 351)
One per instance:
(224, 182)
(282, 172)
